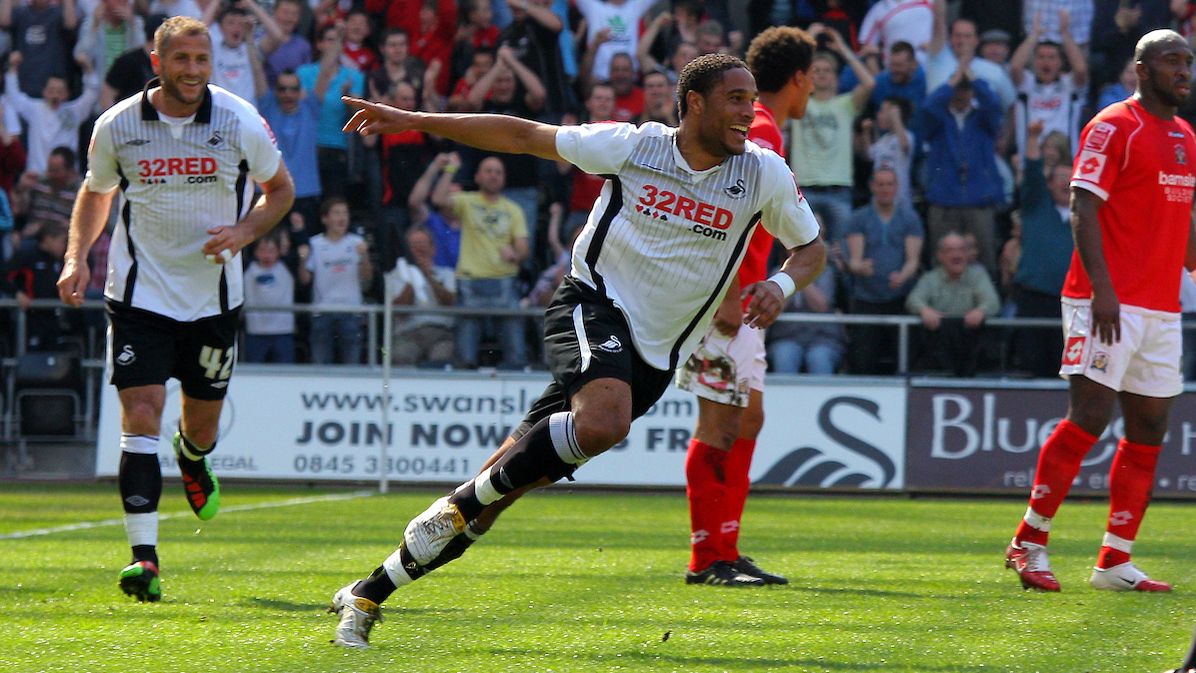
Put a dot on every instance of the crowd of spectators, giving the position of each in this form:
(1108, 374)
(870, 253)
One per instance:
(935, 151)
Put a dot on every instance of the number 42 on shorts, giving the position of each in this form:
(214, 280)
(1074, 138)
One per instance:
(217, 362)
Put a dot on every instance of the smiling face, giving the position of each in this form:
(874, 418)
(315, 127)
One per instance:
(725, 116)
(185, 66)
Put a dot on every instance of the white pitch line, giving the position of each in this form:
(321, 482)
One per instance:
(237, 508)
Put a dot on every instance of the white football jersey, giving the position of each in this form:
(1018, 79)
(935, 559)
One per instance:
(178, 178)
(663, 240)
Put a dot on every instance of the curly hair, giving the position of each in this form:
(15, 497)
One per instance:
(777, 54)
(702, 74)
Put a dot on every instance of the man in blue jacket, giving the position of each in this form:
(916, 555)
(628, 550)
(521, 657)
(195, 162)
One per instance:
(961, 120)
(1047, 245)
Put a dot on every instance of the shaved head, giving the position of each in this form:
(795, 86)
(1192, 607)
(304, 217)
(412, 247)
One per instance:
(1153, 43)
(1163, 61)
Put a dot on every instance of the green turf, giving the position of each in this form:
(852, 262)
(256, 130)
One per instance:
(585, 582)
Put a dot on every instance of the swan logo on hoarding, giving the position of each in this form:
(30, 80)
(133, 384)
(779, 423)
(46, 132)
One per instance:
(858, 466)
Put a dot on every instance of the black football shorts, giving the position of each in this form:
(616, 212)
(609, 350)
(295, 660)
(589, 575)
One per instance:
(587, 338)
(145, 348)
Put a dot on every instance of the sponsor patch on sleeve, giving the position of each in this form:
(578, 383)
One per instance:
(1089, 166)
(1098, 137)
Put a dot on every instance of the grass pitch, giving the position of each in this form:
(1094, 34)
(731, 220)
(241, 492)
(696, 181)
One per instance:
(583, 582)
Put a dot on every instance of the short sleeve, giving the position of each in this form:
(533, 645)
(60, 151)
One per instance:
(785, 213)
(601, 149)
(103, 173)
(260, 148)
(1102, 149)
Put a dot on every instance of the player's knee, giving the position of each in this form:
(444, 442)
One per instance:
(596, 435)
(1148, 430)
(142, 416)
(751, 423)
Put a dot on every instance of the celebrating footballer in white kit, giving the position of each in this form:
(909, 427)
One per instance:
(185, 156)
(649, 269)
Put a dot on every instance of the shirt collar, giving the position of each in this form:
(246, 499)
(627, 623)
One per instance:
(150, 113)
(696, 176)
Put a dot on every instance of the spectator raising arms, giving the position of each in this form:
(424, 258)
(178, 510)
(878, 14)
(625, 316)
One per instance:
(821, 142)
(53, 121)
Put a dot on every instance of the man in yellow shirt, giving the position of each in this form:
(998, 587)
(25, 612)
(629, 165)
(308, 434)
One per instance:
(493, 243)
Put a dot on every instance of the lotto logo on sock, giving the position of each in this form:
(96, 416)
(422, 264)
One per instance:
(1040, 491)
(698, 537)
(1120, 518)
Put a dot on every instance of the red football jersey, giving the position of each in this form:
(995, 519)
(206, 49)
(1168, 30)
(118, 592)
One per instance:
(765, 133)
(1142, 167)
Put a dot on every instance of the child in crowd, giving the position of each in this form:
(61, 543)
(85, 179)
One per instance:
(337, 266)
(269, 335)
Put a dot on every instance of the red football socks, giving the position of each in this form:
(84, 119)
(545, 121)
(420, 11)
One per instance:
(1058, 464)
(739, 463)
(1131, 481)
(706, 479)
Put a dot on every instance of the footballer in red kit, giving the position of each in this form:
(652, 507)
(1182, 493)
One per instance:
(1131, 214)
(727, 370)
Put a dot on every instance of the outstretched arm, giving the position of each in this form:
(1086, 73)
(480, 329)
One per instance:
(493, 133)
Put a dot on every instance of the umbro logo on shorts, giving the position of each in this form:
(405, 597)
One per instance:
(126, 356)
(611, 345)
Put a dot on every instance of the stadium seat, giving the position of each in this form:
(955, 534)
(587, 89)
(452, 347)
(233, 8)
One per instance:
(46, 405)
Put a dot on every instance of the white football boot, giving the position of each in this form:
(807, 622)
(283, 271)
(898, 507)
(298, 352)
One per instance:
(357, 617)
(1125, 577)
